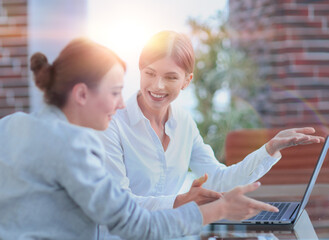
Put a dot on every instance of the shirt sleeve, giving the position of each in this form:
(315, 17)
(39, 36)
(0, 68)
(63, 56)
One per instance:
(114, 163)
(86, 181)
(223, 178)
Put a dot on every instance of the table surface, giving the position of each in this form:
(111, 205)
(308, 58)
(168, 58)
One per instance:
(317, 207)
(314, 223)
(302, 230)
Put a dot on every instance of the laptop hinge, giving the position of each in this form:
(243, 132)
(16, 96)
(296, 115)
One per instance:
(297, 207)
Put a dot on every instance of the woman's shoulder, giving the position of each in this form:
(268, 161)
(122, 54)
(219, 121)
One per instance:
(48, 130)
(73, 134)
(53, 139)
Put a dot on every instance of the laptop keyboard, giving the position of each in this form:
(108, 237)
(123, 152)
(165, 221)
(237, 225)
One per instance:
(264, 215)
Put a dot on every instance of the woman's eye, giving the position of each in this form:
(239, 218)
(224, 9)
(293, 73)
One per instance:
(116, 94)
(151, 74)
(171, 77)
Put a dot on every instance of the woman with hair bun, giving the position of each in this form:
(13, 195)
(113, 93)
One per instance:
(53, 184)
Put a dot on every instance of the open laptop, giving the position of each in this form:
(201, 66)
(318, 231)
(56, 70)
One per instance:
(289, 211)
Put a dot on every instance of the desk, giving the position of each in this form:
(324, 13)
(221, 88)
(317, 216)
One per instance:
(317, 207)
(303, 230)
(313, 224)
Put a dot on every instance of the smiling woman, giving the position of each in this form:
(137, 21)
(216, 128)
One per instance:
(152, 143)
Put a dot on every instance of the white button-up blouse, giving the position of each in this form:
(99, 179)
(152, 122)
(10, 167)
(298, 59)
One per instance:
(137, 160)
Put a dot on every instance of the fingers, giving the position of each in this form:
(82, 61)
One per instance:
(305, 130)
(200, 181)
(311, 140)
(261, 206)
(210, 194)
(205, 195)
(316, 139)
(207, 199)
(304, 140)
(296, 140)
(250, 187)
(310, 130)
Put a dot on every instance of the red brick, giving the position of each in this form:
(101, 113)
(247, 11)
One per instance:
(19, 91)
(292, 12)
(17, 51)
(323, 73)
(13, 31)
(14, 82)
(311, 62)
(17, 21)
(319, 6)
(281, 2)
(14, 2)
(9, 72)
(306, 24)
(320, 12)
(4, 111)
(293, 60)
(318, 37)
(324, 2)
(299, 74)
(19, 102)
(17, 41)
(287, 50)
(16, 10)
(14, 90)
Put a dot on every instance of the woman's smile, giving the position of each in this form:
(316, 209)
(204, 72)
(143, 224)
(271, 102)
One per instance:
(157, 96)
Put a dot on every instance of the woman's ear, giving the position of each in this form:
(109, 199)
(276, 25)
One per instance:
(80, 93)
(187, 81)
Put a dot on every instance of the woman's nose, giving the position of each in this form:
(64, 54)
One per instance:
(121, 104)
(159, 83)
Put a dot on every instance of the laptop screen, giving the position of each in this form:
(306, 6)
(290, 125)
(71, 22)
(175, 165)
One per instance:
(313, 178)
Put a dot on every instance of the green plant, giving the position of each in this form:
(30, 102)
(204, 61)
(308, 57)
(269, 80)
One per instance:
(221, 67)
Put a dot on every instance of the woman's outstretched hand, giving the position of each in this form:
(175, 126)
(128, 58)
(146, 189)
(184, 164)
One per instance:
(234, 205)
(292, 137)
(197, 194)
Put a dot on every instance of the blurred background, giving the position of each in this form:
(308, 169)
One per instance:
(260, 63)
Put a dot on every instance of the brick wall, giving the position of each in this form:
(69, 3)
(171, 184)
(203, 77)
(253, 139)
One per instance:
(289, 40)
(13, 57)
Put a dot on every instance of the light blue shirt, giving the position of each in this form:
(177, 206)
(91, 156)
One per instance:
(53, 185)
(137, 160)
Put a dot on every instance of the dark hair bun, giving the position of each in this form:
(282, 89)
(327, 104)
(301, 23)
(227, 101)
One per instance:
(42, 71)
(38, 61)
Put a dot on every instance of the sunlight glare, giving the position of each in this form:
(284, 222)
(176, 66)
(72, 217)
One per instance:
(128, 35)
(125, 36)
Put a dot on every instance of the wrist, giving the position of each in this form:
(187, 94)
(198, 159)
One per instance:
(270, 149)
(212, 211)
(179, 200)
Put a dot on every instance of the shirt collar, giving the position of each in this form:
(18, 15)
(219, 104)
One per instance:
(135, 114)
(172, 122)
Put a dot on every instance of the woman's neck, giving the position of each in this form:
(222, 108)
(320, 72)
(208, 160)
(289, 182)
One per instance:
(71, 115)
(155, 116)
(158, 119)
